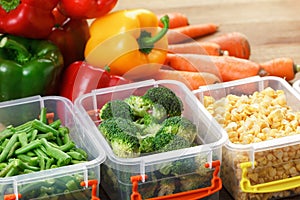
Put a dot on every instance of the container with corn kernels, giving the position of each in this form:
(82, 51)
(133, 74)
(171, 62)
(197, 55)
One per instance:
(261, 116)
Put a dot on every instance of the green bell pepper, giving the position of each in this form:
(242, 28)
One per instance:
(28, 67)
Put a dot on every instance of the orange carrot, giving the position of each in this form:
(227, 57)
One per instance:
(235, 43)
(282, 67)
(184, 33)
(193, 80)
(228, 67)
(205, 48)
(192, 63)
(176, 19)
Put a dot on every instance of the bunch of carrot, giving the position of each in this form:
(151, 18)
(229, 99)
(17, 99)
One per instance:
(198, 61)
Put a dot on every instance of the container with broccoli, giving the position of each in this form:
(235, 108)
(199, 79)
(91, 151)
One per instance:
(149, 123)
(157, 129)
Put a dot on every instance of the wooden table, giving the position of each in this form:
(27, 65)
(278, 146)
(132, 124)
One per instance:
(272, 26)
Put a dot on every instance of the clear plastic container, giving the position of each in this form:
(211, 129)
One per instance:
(139, 177)
(52, 183)
(296, 85)
(267, 169)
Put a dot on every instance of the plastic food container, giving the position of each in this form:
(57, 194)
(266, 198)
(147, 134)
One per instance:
(139, 177)
(51, 183)
(267, 169)
(296, 85)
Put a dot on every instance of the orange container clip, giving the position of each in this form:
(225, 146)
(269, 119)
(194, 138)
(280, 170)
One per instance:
(11, 196)
(216, 185)
(94, 184)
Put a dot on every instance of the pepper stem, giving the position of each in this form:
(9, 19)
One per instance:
(296, 68)
(15, 49)
(9, 5)
(146, 42)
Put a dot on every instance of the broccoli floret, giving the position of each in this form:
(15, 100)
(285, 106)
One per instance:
(115, 108)
(142, 106)
(167, 186)
(180, 167)
(167, 98)
(123, 136)
(192, 182)
(175, 133)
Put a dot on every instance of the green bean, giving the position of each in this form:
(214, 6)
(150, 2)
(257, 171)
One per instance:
(4, 143)
(33, 135)
(48, 136)
(72, 186)
(62, 157)
(56, 124)
(33, 161)
(30, 146)
(5, 170)
(76, 155)
(23, 138)
(12, 171)
(43, 115)
(2, 166)
(22, 165)
(44, 127)
(7, 148)
(13, 149)
(6, 133)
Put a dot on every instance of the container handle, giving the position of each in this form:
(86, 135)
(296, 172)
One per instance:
(94, 184)
(11, 197)
(216, 185)
(274, 186)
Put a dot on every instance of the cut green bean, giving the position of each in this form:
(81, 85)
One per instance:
(33, 161)
(56, 124)
(76, 155)
(44, 127)
(33, 134)
(30, 146)
(6, 133)
(43, 115)
(6, 150)
(13, 149)
(62, 157)
(48, 136)
(5, 170)
(23, 138)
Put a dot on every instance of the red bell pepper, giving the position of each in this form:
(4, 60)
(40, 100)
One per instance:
(71, 36)
(86, 9)
(27, 18)
(81, 78)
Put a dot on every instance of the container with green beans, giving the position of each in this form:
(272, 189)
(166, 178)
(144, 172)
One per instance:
(44, 157)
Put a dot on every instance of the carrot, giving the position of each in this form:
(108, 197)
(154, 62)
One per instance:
(184, 33)
(235, 43)
(282, 67)
(192, 63)
(228, 67)
(206, 48)
(193, 80)
(176, 19)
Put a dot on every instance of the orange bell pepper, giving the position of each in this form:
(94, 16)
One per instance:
(128, 41)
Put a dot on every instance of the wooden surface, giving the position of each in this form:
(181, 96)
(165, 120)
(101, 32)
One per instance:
(272, 26)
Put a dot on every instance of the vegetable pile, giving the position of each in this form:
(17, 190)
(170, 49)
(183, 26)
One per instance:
(146, 124)
(37, 145)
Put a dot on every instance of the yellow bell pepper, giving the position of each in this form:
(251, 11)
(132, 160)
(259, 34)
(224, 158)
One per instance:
(128, 41)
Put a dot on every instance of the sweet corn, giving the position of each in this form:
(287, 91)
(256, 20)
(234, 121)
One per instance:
(255, 118)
